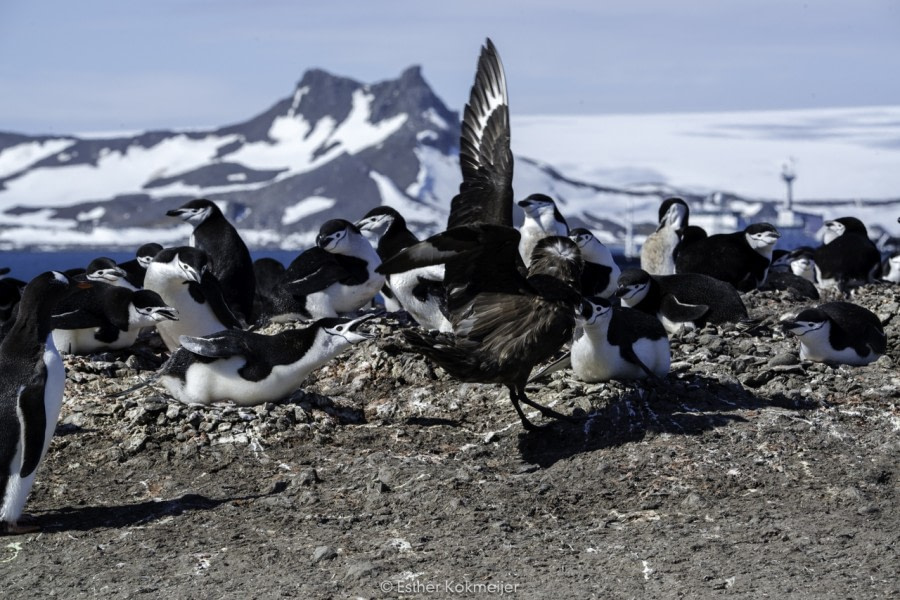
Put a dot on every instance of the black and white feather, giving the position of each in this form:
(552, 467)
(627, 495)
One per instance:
(229, 257)
(682, 302)
(741, 258)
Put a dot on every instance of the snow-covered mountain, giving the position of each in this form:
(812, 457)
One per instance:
(337, 147)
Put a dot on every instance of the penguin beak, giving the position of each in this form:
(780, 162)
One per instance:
(354, 324)
(164, 313)
(621, 292)
(110, 275)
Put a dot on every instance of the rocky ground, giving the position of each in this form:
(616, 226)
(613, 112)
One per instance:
(744, 473)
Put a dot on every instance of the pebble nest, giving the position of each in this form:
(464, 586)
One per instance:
(376, 382)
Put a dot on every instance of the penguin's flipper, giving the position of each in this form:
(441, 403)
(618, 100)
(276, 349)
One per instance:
(33, 415)
(212, 291)
(681, 312)
(107, 334)
(217, 345)
(324, 275)
(77, 319)
(629, 354)
(563, 362)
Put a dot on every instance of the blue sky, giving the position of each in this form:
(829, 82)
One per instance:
(105, 65)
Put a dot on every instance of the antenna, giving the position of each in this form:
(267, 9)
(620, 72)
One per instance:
(789, 174)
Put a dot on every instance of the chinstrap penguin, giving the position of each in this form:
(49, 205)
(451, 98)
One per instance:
(102, 270)
(683, 301)
(619, 343)
(847, 258)
(420, 291)
(230, 260)
(106, 317)
(838, 332)
(741, 258)
(249, 368)
(182, 278)
(795, 272)
(334, 277)
(31, 394)
(542, 219)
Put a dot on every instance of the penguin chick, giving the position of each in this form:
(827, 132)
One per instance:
(249, 368)
(838, 332)
(658, 250)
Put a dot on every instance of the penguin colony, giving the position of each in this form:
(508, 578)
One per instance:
(490, 301)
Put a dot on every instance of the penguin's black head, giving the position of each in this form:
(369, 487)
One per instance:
(632, 281)
(673, 212)
(195, 211)
(187, 262)
(595, 309)
(149, 303)
(852, 225)
(691, 233)
(45, 290)
(581, 236)
(345, 329)
(146, 253)
(810, 319)
(380, 217)
(104, 269)
(761, 235)
(334, 233)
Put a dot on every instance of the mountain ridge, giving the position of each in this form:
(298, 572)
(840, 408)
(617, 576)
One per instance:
(335, 147)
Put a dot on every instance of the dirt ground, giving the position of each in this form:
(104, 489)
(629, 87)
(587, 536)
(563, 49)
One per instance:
(745, 473)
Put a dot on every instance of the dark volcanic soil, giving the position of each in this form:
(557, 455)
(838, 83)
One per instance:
(745, 473)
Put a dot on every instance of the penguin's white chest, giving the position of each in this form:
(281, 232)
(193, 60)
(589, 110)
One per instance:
(426, 313)
(595, 359)
(82, 341)
(194, 318)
